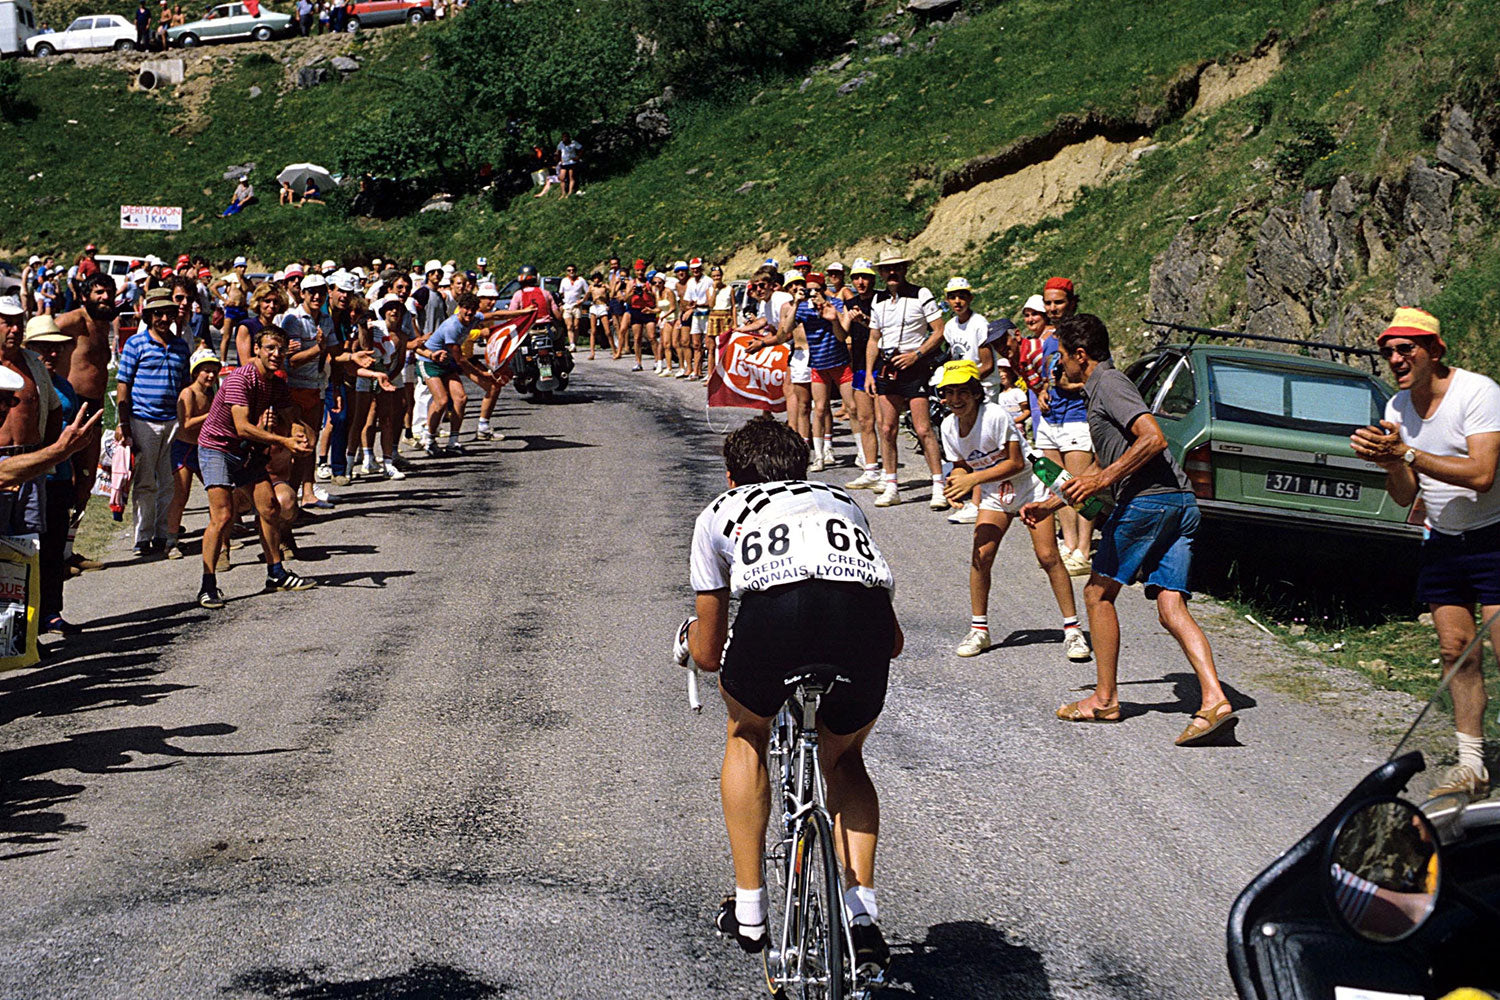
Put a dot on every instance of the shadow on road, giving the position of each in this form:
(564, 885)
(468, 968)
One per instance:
(969, 960)
(1029, 637)
(542, 442)
(420, 982)
(28, 813)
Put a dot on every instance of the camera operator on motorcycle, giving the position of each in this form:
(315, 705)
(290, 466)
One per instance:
(813, 590)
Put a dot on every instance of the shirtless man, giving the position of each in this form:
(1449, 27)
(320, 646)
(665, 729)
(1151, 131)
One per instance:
(192, 409)
(87, 370)
(22, 427)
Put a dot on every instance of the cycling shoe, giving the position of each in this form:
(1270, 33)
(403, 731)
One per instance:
(726, 924)
(871, 955)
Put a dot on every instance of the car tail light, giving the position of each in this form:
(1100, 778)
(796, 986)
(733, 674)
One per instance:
(1418, 513)
(1199, 466)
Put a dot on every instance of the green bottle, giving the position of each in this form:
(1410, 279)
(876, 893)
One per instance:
(1054, 475)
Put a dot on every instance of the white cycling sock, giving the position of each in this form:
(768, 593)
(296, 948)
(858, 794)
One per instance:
(1471, 752)
(889, 478)
(750, 911)
(484, 425)
(859, 901)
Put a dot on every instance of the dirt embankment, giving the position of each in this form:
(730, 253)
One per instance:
(1040, 176)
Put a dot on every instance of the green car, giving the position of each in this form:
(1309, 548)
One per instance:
(1264, 438)
(229, 22)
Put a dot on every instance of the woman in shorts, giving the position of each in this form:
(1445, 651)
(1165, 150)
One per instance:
(982, 442)
(720, 317)
(829, 360)
(598, 313)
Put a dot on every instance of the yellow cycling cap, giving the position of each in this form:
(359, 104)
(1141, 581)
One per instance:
(958, 373)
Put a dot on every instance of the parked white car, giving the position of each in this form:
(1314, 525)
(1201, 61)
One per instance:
(93, 31)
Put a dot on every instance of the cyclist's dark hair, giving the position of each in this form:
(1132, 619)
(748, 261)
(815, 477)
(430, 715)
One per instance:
(1084, 330)
(469, 300)
(765, 450)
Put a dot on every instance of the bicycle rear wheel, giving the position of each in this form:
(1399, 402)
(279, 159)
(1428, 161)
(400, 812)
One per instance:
(817, 966)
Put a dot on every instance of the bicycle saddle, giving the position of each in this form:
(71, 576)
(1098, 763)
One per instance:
(816, 678)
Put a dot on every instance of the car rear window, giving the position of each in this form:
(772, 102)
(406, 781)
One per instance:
(1296, 399)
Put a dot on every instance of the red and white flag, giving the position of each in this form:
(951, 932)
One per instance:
(748, 377)
(504, 338)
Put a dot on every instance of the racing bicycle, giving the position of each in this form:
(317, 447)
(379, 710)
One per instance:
(811, 953)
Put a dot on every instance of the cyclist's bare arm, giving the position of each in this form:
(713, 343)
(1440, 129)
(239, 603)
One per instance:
(708, 634)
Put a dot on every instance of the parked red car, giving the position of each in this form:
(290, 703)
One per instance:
(374, 13)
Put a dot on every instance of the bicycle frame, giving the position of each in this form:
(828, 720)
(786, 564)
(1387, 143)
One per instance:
(796, 770)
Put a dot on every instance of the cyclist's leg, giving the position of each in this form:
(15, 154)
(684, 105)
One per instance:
(853, 801)
(744, 788)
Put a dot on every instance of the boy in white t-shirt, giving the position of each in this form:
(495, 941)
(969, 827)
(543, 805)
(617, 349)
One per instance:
(1440, 441)
(984, 446)
(967, 332)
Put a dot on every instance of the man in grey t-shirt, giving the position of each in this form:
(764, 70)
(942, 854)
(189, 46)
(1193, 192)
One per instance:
(1147, 537)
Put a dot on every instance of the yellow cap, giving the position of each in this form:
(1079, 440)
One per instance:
(958, 373)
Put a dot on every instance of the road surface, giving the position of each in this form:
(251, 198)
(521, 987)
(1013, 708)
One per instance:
(463, 766)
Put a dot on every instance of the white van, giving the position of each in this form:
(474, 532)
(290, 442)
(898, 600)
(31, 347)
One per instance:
(17, 23)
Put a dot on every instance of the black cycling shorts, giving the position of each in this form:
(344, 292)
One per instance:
(780, 631)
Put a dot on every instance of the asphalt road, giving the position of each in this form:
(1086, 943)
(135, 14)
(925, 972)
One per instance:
(464, 767)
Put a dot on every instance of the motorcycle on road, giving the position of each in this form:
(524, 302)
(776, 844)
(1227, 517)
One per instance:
(542, 364)
(1382, 900)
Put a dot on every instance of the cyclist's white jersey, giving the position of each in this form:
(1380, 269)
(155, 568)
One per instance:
(767, 534)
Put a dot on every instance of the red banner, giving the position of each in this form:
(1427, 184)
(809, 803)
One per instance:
(746, 377)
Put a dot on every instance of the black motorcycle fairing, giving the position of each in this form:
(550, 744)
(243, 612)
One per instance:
(1289, 898)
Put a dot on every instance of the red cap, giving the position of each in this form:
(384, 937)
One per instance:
(640, 264)
(815, 278)
(184, 259)
(91, 247)
(696, 262)
(135, 264)
(204, 272)
(1063, 283)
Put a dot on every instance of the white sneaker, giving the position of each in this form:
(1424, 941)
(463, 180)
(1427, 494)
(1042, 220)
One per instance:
(976, 642)
(938, 501)
(890, 496)
(1076, 645)
(1075, 564)
(867, 481)
(370, 467)
(323, 495)
(967, 514)
(391, 472)
(323, 473)
(816, 462)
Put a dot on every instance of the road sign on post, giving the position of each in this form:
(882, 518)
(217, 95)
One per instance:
(150, 217)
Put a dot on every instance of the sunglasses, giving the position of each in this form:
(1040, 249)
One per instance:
(1406, 350)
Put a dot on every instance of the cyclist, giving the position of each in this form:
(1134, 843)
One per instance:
(813, 589)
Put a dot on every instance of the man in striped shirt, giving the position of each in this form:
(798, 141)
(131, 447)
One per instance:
(251, 414)
(153, 370)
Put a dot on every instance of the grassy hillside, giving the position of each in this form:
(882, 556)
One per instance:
(1358, 90)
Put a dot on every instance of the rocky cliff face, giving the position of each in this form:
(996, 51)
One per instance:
(1308, 262)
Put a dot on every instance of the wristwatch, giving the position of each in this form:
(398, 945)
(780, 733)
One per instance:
(1410, 458)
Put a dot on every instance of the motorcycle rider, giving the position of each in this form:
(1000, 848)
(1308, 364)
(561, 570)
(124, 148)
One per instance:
(532, 295)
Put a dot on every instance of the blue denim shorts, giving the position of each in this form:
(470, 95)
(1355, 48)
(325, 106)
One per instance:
(1149, 539)
(222, 469)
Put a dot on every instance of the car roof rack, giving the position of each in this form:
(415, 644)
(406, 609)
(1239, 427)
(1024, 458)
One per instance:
(1336, 352)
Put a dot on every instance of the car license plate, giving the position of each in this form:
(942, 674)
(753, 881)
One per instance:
(546, 370)
(1312, 486)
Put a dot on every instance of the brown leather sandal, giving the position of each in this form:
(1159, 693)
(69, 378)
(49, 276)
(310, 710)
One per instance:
(1220, 718)
(1072, 712)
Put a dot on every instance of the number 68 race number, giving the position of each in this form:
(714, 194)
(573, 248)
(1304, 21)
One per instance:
(821, 546)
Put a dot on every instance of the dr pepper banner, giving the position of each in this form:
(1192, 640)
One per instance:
(747, 377)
